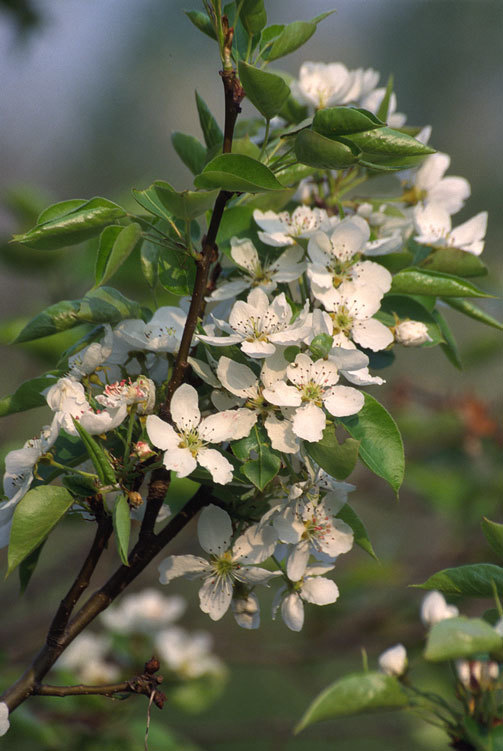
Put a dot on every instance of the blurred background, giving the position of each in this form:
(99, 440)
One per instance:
(91, 92)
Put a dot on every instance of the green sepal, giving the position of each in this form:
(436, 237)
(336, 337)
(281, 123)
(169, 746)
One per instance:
(122, 527)
(70, 222)
(38, 511)
(355, 694)
(97, 455)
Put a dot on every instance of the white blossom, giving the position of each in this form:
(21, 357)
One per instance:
(312, 588)
(394, 660)
(4, 718)
(412, 333)
(283, 229)
(434, 609)
(162, 333)
(324, 85)
(186, 448)
(188, 654)
(144, 612)
(126, 392)
(67, 398)
(91, 357)
(434, 227)
(229, 563)
(428, 185)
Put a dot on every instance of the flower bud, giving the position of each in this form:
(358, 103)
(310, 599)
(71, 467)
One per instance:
(394, 660)
(142, 450)
(411, 333)
(435, 609)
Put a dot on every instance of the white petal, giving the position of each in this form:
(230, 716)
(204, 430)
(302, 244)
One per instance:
(469, 232)
(220, 341)
(258, 349)
(161, 434)
(319, 591)
(292, 612)
(432, 222)
(174, 566)
(252, 575)
(362, 377)
(372, 334)
(349, 237)
(338, 540)
(451, 193)
(297, 561)
(219, 427)
(215, 597)
(216, 464)
(180, 460)
(258, 301)
(281, 435)
(288, 266)
(4, 718)
(214, 529)
(204, 371)
(244, 422)
(101, 422)
(299, 371)
(229, 290)
(369, 272)
(246, 611)
(185, 407)
(432, 170)
(237, 378)
(255, 545)
(342, 401)
(283, 395)
(309, 422)
(244, 253)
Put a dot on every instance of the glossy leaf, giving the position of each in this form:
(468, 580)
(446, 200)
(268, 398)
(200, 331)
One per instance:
(190, 150)
(355, 694)
(28, 395)
(338, 459)
(340, 121)
(265, 467)
(58, 317)
(454, 261)
(449, 346)
(35, 516)
(177, 273)
(319, 151)
(236, 221)
(202, 22)
(293, 36)
(389, 142)
(349, 515)
(149, 260)
(186, 204)
(387, 164)
(455, 638)
(213, 136)
(116, 244)
(493, 533)
(383, 111)
(381, 446)
(97, 455)
(122, 527)
(267, 91)
(472, 580)
(416, 281)
(236, 172)
(473, 311)
(245, 146)
(80, 223)
(253, 16)
(107, 305)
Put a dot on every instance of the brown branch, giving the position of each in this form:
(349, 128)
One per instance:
(157, 489)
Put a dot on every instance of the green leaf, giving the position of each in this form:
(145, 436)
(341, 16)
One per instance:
(80, 486)
(388, 142)
(454, 638)
(245, 146)
(28, 395)
(381, 447)
(454, 261)
(472, 580)
(149, 260)
(35, 516)
(321, 345)
(383, 110)
(340, 121)
(473, 311)
(386, 164)
(107, 305)
(493, 533)
(79, 222)
(97, 455)
(349, 515)
(236, 172)
(318, 151)
(27, 568)
(116, 244)
(253, 16)
(202, 22)
(267, 91)
(406, 307)
(213, 136)
(122, 527)
(177, 273)
(338, 459)
(186, 204)
(293, 36)
(265, 467)
(236, 221)
(58, 317)
(355, 694)
(416, 281)
(190, 150)
(293, 174)
(449, 347)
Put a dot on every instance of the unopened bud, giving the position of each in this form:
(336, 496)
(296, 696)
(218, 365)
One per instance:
(394, 660)
(142, 450)
(435, 609)
(412, 333)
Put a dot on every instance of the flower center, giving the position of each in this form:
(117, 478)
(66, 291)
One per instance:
(312, 392)
(191, 440)
(343, 320)
(223, 565)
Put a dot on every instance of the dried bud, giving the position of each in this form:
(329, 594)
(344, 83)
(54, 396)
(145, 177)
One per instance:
(152, 666)
(134, 498)
(159, 699)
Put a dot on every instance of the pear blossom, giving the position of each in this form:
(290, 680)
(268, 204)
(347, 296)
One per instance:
(186, 448)
(188, 654)
(67, 398)
(313, 388)
(388, 229)
(312, 588)
(335, 259)
(246, 610)
(372, 101)
(282, 229)
(91, 357)
(287, 268)
(144, 612)
(433, 227)
(324, 85)
(351, 308)
(311, 527)
(428, 185)
(19, 469)
(394, 660)
(162, 333)
(412, 333)
(4, 718)
(229, 563)
(476, 675)
(259, 326)
(434, 609)
(85, 657)
(140, 392)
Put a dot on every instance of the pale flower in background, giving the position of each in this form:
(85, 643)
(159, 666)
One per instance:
(188, 654)
(324, 85)
(394, 660)
(144, 612)
(434, 609)
(4, 718)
